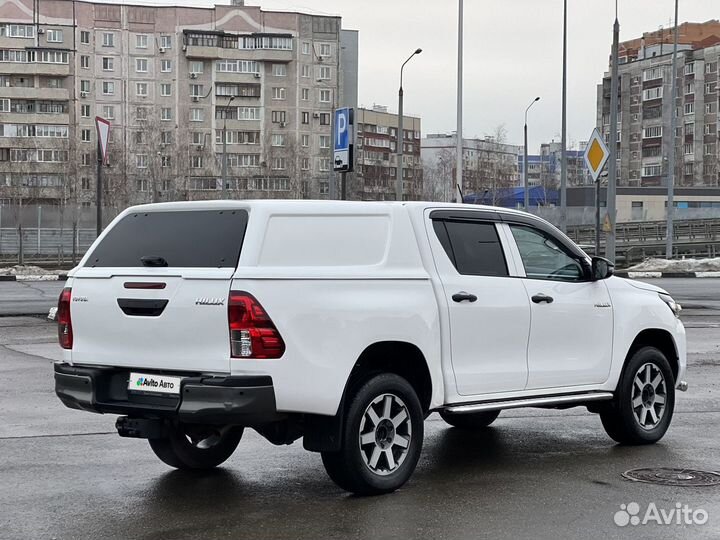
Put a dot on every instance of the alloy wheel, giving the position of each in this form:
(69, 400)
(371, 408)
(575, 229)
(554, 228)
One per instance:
(385, 434)
(649, 396)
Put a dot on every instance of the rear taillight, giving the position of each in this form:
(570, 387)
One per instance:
(65, 334)
(252, 333)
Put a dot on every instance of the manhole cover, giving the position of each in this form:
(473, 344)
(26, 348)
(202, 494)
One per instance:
(674, 477)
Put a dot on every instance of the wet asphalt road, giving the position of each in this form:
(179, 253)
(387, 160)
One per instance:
(535, 474)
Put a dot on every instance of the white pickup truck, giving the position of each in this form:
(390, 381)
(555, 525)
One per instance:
(348, 323)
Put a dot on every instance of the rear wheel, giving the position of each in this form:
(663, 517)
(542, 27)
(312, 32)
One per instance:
(382, 438)
(196, 446)
(644, 400)
(476, 420)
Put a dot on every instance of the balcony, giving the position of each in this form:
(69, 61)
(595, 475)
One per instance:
(36, 118)
(260, 55)
(19, 68)
(199, 51)
(22, 92)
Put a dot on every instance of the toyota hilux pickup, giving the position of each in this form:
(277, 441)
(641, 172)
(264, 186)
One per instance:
(347, 323)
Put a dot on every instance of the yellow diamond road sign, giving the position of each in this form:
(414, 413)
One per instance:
(596, 154)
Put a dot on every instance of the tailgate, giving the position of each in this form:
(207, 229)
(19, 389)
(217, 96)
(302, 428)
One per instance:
(152, 294)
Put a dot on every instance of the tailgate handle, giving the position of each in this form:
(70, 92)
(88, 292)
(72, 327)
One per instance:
(142, 308)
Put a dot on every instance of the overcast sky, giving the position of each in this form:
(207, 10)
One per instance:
(513, 52)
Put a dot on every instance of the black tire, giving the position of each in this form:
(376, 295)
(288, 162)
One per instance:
(476, 420)
(622, 418)
(352, 467)
(208, 447)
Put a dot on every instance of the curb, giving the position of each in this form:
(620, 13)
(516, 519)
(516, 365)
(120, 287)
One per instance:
(648, 275)
(44, 277)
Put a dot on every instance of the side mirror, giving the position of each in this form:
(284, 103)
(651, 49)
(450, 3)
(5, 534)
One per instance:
(601, 268)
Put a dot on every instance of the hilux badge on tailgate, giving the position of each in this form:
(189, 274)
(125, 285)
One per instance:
(209, 301)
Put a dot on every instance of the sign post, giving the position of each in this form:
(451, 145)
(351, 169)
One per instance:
(596, 155)
(103, 135)
(343, 146)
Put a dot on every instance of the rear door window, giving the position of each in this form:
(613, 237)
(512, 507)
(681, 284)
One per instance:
(473, 247)
(186, 239)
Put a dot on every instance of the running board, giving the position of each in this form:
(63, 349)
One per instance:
(546, 401)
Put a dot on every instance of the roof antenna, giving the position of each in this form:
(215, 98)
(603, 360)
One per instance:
(462, 197)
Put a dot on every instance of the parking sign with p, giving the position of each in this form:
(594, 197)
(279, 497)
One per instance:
(343, 140)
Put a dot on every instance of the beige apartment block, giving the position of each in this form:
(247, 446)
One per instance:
(171, 80)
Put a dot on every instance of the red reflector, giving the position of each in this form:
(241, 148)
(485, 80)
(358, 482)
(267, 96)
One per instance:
(252, 332)
(65, 334)
(144, 285)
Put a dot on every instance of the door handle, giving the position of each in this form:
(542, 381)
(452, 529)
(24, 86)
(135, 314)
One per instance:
(540, 298)
(462, 296)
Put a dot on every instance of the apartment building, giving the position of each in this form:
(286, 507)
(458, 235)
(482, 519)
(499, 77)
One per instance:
(545, 168)
(174, 82)
(489, 165)
(376, 156)
(645, 108)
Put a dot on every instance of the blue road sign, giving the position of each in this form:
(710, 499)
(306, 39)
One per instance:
(342, 139)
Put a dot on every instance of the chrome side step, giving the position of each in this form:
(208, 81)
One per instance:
(545, 401)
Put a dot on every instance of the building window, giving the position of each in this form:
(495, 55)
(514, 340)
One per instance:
(325, 73)
(324, 164)
(54, 36)
(85, 62)
(688, 169)
(141, 160)
(165, 113)
(85, 159)
(165, 89)
(85, 135)
(108, 63)
(689, 88)
(108, 39)
(278, 117)
(305, 117)
(324, 141)
(140, 137)
(141, 41)
(141, 89)
(710, 88)
(196, 162)
(305, 94)
(141, 65)
(108, 112)
(710, 107)
(690, 107)
(305, 71)
(85, 111)
(652, 74)
(305, 140)
(306, 47)
(278, 93)
(324, 119)
(166, 42)
(237, 66)
(165, 66)
(653, 93)
(108, 88)
(690, 68)
(652, 170)
(278, 164)
(141, 113)
(166, 161)
(84, 87)
(197, 91)
(278, 139)
(710, 129)
(196, 67)
(709, 149)
(84, 37)
(324, 49)
(325, 96)
(196, 115)
(689, 150)
(279, 70)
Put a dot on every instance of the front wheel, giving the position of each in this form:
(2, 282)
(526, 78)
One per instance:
(196, 446)
(382, 437)
(644, 400)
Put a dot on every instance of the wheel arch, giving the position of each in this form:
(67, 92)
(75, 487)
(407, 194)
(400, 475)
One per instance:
(661, 340)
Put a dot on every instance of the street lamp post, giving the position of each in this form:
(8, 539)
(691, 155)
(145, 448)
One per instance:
(525, 159)
(400, 136)
(671, 156)
(223, 191)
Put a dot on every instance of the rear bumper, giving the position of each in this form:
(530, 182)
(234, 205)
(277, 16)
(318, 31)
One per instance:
(245, 400)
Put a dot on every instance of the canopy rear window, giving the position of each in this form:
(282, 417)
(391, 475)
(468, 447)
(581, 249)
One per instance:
(185, 239)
